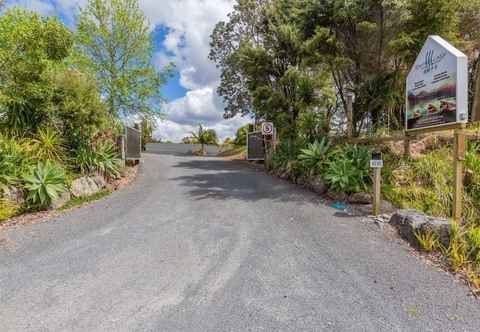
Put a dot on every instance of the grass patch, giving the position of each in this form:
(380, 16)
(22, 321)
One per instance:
(7, 210)
(232, 152)
(78, 201)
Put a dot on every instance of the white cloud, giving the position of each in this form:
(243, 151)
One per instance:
(39, 6)
(187, 43)
(173, 131)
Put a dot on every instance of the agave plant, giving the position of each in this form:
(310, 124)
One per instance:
(44, 183)
(314, 157)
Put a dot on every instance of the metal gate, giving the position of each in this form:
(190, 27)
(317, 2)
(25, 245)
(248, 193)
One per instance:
(133, 143)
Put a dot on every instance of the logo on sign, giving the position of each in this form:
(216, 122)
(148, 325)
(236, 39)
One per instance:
(431, 61)
(267, 128)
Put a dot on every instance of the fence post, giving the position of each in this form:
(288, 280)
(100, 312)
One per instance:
(458, 161)
(377, 185)
(406, 145)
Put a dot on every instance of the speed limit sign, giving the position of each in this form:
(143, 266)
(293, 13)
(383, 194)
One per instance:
(267, 129)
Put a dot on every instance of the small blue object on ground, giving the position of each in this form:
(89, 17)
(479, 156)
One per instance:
(339, 206)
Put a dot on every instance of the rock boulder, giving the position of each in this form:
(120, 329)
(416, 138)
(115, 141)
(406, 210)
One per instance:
(87, 186)
(408, 222)
(13, 194)
(360, 198)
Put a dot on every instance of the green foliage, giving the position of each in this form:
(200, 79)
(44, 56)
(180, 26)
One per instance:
(114, 43)
(314, 157)
(241, 135)
(348, 169)
(147, 127)
(80, 114)
(428, 240)
(14, 161)
(44, 183)
(102, 158)
(48, 145)
(425, 183)
(205, 137)
(312, 126)
(473, 240)
(31, 47)
(285, 152)
(7, 210)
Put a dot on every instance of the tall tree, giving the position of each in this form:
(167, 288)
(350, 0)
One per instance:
(259, 51)
(244, 24)
(114, 42)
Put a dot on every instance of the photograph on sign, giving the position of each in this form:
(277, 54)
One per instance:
(267, 128)
(255, 146)
(437, 86)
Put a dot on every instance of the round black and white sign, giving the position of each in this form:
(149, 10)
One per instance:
(267, 128)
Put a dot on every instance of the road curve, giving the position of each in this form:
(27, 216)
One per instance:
(202, 244)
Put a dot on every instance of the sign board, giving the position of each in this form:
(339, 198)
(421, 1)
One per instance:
(376, 163)
(255, 146)
(267, 129)
(437, 87)
(377, 160)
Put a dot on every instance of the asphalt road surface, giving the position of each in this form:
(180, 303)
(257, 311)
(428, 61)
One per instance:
(201, 244)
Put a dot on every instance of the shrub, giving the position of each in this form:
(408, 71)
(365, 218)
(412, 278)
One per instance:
(312, 126)
(79, 110)
(285, 152)
(428, 240)
(348, 169)
(14, 161)
(48, 145)
(314, 157)
(473, 238)
(44, 183)
(103, 159)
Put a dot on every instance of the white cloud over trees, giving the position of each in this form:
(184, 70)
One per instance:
(189, 23)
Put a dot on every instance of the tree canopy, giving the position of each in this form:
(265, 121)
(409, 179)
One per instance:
(114, 42)
(280, 59)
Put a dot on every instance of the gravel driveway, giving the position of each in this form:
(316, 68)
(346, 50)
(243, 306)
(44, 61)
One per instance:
(202, 244)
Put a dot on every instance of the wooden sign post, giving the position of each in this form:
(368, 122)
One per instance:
(458, 163)
(376, 163)
(437, 99)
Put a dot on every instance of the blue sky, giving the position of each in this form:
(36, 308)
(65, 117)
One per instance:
(181, 30)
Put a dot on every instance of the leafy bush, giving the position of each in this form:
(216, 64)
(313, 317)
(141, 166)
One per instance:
(348, 169)
(79, 110)
(428, 240)
(103, 159)
(424, 184)
(48, 145)
(30, 47)
(44, 183)
(314, 157)
(473, 238)
(285, 152)
(14, 161)
(312, 126)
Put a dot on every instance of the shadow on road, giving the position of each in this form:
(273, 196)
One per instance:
(224, 180)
